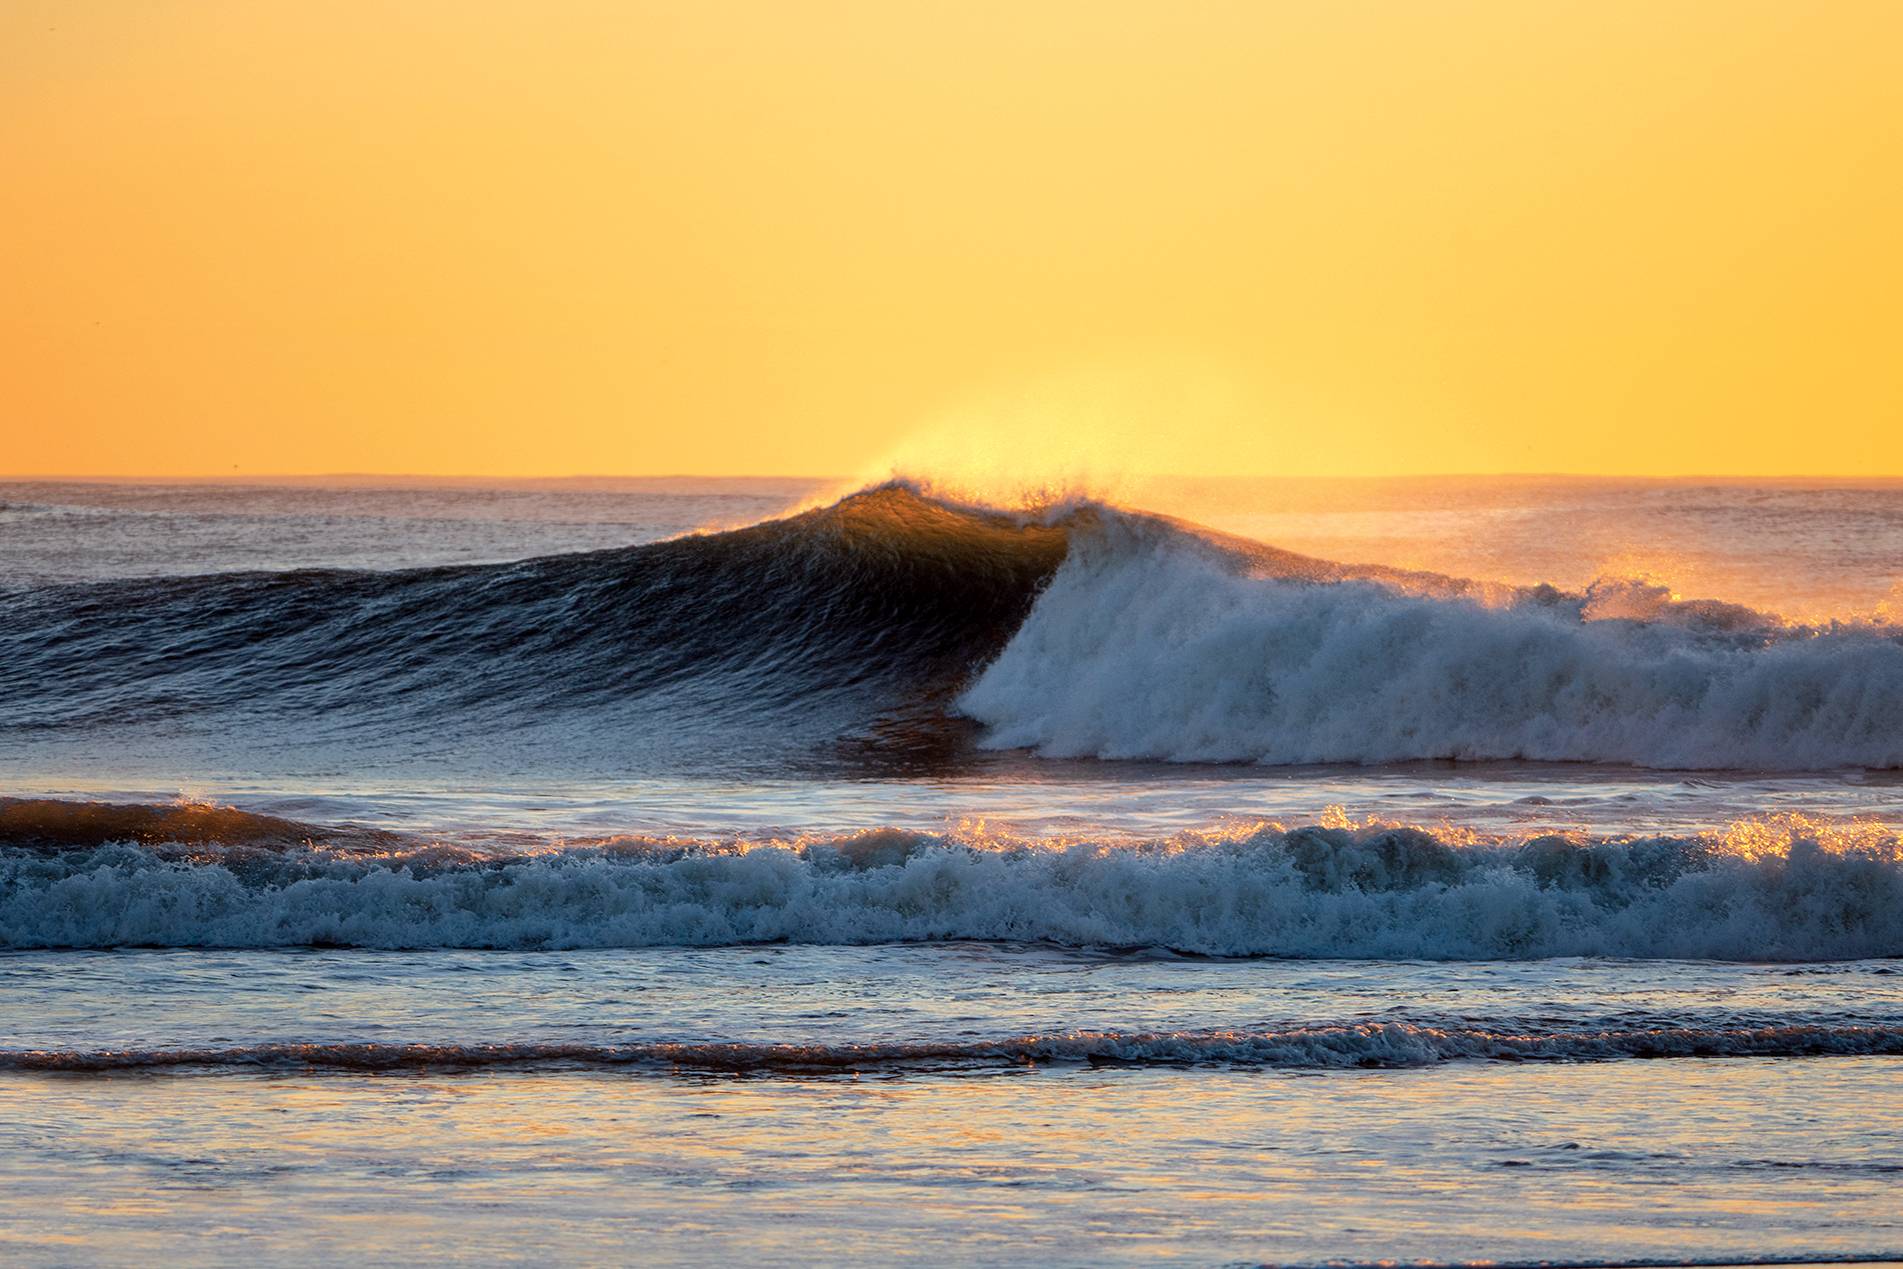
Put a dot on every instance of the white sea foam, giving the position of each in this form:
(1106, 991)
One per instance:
(1312, 892)
(1157, 646)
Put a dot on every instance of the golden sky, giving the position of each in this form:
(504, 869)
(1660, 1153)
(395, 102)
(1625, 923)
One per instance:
(708, 236)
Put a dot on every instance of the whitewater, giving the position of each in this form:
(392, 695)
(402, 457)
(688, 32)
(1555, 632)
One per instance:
(1151, 644)
(1374, 892)
(724, 863)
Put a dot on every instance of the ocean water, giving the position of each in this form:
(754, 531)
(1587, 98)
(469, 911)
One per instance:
(1236, 872)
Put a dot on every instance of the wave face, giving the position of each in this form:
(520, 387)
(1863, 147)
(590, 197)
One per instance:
(1381, 1045)
(1149, 646)
(1367, 892)
(818, 624)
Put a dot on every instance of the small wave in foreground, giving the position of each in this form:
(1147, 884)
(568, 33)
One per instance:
(1770, 890)
(1368, 1045)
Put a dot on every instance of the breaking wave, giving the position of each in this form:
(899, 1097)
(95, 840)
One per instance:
(1143, 648)
(1076, 631)
(1367, 1045)
(1791, 892)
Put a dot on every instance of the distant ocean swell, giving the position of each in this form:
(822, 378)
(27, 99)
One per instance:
(1371, 1045)
(1081, 631)
(1304, 892)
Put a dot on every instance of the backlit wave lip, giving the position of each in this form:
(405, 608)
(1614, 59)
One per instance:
(1777, 889)
(1380, 1045)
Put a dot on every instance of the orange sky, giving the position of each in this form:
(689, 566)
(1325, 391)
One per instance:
(461, 236)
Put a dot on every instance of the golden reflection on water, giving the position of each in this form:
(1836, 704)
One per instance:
(1454, 1162)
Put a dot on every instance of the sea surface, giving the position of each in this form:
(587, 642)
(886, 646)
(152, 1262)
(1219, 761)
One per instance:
(701, 871)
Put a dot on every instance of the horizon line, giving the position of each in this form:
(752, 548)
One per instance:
(472, 477)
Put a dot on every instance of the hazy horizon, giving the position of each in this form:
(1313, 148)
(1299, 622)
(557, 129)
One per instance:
(379, 477)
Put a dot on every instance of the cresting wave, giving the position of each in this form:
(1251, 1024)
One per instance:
(810, 627)
(1373, 1045)
(1077, 631)
(1766, 892)
(1148, 645)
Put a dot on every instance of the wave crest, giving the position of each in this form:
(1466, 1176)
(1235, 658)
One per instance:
(1362, 892)
(1140, 648)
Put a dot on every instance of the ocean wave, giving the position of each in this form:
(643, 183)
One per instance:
(51, 823)
(1768, 892)
(1143, 648)
(871, 626)
(1363, 1045)
(819, 622)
